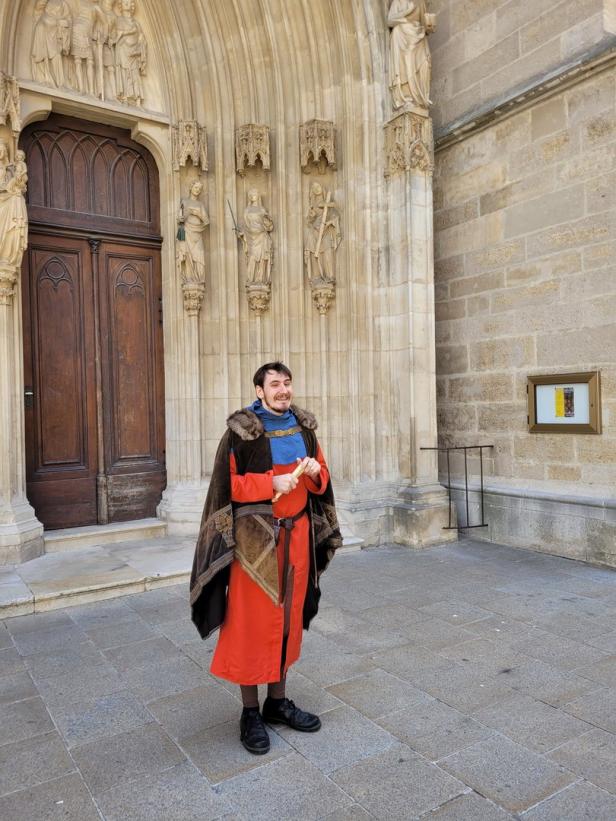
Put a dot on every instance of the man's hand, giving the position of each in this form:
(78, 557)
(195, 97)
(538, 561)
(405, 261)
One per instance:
(284, 484)
(312, 467)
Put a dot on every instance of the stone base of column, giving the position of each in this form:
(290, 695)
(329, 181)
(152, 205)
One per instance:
(181, 507)
(21, 534)
(389, 513)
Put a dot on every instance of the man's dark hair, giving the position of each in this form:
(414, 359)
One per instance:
(259, 377)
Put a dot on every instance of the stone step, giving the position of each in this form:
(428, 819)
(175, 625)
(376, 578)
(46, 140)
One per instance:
(76, 538)
(102, 571)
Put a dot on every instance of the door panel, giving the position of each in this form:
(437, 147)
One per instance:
(61, 416)
(132, 379)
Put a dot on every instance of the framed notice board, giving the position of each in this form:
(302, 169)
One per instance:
(564, 403)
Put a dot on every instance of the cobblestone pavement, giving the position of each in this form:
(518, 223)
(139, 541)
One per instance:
(463, 683)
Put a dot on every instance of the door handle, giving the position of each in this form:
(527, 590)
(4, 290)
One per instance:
(29, 398)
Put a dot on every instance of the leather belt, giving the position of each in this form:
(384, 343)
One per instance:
(288, 524)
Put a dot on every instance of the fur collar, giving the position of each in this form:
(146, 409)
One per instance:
(248, 426)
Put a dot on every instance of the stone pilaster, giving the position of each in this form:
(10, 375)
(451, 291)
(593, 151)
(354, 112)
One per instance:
(21, 534)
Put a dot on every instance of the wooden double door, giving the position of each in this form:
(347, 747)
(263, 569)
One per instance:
(93, 346)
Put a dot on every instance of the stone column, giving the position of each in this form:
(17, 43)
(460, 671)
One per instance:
(420, 510)
(21, 534)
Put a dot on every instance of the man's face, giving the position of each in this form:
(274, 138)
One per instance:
(277, 392)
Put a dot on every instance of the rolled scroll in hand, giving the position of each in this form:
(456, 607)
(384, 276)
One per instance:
(297, 473)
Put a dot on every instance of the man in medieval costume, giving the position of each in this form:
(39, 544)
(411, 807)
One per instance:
(269, 529)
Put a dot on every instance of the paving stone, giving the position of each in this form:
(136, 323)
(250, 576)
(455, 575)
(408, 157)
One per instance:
(64, 660)
(121, 633)
(84, 683)
(581, 801)
(557, 651)
(124, 757)
(36, 622)
(540, 681)
(354, 634)
(142, 653)
(218, 753)
(16, 687)
(598, 708)
(308, 695)
(48, 640)
(181, 793)
(25, 763)
(572, 626)
(536, 725)
(11, 662)
(64, 798)
(102, 614)
(603, 672)
(24, 719)
(93, 718)
(179, 630)
(326, 663)
(593, 756)
(192, 711)
(376, 693)
(507, 773)
(344, 738)
(435, 634)
(170, 610)
(352, 813)
(288, 788)
(165, 678)
(397, 784)
(455, 611)
(434, 729)
(410, 662)
(398, 615)
(606, 642)
(152, 599)
(468, 807)
(5, 637)
(465, 689)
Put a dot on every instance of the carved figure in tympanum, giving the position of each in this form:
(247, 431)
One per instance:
(321, 236)
(86, 26)
(130, 55)
(51, 41)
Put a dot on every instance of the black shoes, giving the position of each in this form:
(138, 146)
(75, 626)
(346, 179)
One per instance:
(253, 734)
(284, 711)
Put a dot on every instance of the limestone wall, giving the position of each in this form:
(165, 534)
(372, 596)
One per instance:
(525, 219)
(488, 50)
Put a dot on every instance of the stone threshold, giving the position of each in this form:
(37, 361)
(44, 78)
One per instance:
(102, 571)
(74, 538)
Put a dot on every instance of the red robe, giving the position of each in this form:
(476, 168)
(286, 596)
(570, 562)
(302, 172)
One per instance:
(250, 645)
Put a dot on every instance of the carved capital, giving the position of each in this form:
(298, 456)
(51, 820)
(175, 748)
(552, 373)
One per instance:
(8, 281)
(259, 296)
(189, 142)
(194, 294)
(409, 144)
(323, 295)
(252, 145)
(317, 146)
(9, 103)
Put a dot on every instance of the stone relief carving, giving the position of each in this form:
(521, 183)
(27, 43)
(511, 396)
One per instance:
(101, 50)
(9, 103)
(410, 64)
(189, 142)
(322, 237)
(192, 221)
(256, 237)
(13, 219)
(51, 40)
(317, 146)
(409, 144)
(252, 145)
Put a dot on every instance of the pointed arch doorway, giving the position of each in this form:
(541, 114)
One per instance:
(92, 309)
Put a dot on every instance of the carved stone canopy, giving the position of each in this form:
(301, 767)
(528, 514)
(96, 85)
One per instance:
(317, 145)
(189, 142)
(409, 144)
(252, 143)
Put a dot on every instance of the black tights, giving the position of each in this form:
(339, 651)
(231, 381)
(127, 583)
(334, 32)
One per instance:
(250, 692)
